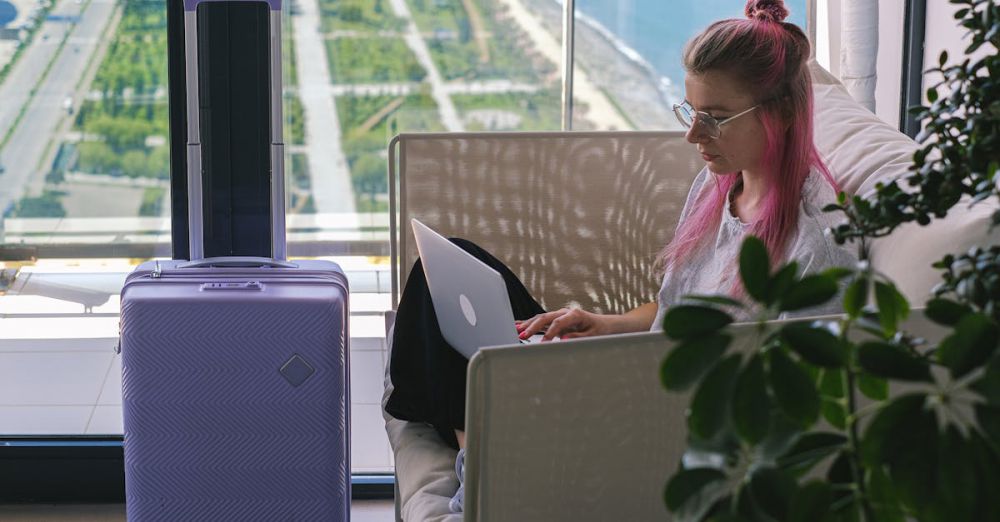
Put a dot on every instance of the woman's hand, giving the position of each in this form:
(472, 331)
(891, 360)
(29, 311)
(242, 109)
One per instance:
(568, 323)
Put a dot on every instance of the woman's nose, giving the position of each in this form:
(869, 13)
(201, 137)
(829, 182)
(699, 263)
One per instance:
(696, 134)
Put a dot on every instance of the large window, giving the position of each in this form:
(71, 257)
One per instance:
(627, 57)
(85, 168)
(84, 194)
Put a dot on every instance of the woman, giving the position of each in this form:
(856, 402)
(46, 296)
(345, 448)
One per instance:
(748, 110)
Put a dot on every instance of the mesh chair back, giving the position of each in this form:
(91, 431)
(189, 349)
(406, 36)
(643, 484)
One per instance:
(579, 216)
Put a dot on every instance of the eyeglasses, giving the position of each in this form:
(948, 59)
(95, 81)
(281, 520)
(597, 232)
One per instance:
(689, 117)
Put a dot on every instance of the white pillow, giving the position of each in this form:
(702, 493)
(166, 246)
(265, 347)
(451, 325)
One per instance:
(858, 147)
(860, 150)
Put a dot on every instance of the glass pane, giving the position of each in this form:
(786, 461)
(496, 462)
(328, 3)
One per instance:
(627, 56)
(84, 196)
(382, 67)
(377, 68)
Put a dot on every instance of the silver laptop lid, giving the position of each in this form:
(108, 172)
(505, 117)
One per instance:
(470, 298)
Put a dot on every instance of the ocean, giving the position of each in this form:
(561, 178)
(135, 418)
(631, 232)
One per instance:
(658, 29)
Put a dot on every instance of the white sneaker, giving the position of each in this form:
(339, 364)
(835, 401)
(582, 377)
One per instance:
(455, 505)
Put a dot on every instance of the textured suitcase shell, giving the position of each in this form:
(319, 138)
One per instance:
(235, 374)
(218, 425)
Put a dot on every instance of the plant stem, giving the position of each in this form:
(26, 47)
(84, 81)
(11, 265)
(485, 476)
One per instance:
(855, 459)
(852, 426)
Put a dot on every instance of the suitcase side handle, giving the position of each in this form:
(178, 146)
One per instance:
(191, 5)
(237, 262)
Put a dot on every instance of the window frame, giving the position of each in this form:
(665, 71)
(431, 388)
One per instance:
(90, 469)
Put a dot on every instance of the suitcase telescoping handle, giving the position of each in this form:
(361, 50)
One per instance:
(196, 223)
(237, 262)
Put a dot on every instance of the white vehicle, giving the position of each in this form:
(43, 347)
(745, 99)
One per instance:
(68, 104)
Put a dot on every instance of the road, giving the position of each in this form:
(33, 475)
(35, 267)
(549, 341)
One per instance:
(31, 137)
(328, 172)
(16, 89)
(449, 115)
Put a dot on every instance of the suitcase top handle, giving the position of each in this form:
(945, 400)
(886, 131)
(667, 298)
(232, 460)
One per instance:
(191, 5)
(237, 262)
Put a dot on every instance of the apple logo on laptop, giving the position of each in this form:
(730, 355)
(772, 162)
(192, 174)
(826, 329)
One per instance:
(467, 310)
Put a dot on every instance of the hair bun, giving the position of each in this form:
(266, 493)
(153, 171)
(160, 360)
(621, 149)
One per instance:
(766, 10)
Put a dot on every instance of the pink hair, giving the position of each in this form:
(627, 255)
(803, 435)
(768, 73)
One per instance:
(769, 57)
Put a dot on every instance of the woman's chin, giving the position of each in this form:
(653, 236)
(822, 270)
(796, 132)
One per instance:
(718, 167)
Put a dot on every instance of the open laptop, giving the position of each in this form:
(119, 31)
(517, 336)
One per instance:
(470, 298)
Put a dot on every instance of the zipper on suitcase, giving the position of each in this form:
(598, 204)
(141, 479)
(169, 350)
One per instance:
(269, 278)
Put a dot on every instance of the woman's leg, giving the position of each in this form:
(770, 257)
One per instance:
(428, 375)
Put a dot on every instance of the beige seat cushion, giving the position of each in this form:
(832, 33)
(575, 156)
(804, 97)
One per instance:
(425, 471)
(425, 465)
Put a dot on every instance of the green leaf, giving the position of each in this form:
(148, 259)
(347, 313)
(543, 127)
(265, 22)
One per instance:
(892, 307)
(989, 384)
(751, 408)
(814, 344)
(811, 290)
(710, 405)
(782, 280)
(687, 321)
(899, 437)
(834, 413)
(810, 503)
(810, 449)
(832, 392)
(988, 475)
(782, 434)
(945, 312)
(856, 296)
(988, 418)
(831, 384)
(932, 95)
(884, 501)
(755, 268)
(873, 387)
(886, 360)
(728, 517)
(838, 272)
(794, 391)
(881, 439)
(772, 492)
(839, 476)
(720, 300)
(955, 491)
(685, 485)
(972, 344)
(688, 362)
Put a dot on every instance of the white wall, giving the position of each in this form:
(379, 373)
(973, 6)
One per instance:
(890, 59)
(944, 33)
(828, 35)
(890, 53)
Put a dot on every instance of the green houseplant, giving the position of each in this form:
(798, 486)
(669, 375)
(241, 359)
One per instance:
(801, 425)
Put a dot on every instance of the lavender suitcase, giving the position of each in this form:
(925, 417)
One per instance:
(235, 374)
